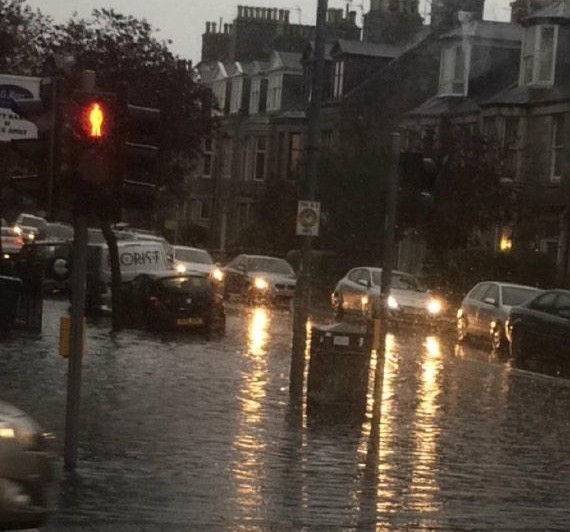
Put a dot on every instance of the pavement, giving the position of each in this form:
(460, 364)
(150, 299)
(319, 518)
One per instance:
(179, 433)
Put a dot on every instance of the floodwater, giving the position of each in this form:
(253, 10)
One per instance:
(181, 433)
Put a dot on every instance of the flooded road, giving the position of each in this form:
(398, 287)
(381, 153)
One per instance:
(181, 433)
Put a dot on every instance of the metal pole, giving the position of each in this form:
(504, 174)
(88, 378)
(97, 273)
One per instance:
(388, 253)
(304, 284)
(52, 161)
(78, 292)
(78, 296)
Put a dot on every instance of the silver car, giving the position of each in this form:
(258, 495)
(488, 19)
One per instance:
(485, 309)
(359, 289)
(25, 471)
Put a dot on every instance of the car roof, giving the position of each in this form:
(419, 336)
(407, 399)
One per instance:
(191, 248)
(511, 285)
(378, 269)
(260, 257)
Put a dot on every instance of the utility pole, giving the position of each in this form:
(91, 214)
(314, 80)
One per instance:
(380, 316)
(78, 296)
(304, 284)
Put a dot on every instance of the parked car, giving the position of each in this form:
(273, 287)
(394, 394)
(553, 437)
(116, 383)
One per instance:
(359, 289)
(25, 471)
(30, 227)
(260, 278)
(58, 231)
(188, 259)
(539, 330)
(51, 259)
(170, 300)
(485, 309)
(12, 242)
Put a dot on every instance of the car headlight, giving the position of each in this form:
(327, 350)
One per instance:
(31, 237)
(217, 274)
(22, 430)
(18, 230)
(260, 284)
(180, 268)
(434, 306)
(392, 303)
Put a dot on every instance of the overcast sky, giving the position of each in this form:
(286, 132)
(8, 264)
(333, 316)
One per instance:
(183, 21)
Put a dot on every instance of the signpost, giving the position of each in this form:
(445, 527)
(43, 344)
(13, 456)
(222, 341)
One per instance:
(15, 89)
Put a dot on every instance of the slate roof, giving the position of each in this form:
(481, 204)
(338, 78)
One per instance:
(290, 60)
(521, 96)
(559, 10)
(488, 30)
(369, 49)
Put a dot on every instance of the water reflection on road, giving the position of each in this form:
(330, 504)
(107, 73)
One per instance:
(180, 431)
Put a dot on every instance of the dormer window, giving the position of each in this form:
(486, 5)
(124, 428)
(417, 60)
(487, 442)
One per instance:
(255, 96)
(237, 89)
(453, 72)
(338, 81)
(539, 55)
(274, 92)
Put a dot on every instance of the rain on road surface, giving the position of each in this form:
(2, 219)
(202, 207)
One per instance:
(179, 433)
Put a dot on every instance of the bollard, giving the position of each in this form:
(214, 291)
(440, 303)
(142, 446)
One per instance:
(65, 336)
(10, 292)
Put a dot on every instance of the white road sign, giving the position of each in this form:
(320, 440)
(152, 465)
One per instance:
(308, 218)
(12, 127)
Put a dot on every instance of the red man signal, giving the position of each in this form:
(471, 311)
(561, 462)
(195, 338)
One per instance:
(94, 120)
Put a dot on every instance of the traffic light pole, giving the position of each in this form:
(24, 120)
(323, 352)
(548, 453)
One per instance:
(78, 297)
(304, 284)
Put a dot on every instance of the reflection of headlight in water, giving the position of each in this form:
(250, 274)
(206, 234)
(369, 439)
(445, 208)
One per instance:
(434, 306)
(392, 303)
(260, 284)
(217, 274)
(180, 268)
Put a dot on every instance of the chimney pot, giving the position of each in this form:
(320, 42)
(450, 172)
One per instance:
(214, 27)
(207, 27)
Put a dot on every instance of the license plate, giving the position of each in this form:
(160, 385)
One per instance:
(190, 321)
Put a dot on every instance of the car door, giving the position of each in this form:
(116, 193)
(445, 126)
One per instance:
(535, 323)
(471, 303)
(487, 309)
(350, 288)
(234, 273)
(362, 287)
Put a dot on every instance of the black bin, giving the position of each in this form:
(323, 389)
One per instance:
(10, 292)
(339, 365)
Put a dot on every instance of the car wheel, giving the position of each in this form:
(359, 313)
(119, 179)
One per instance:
(499, 341)
(462, 326)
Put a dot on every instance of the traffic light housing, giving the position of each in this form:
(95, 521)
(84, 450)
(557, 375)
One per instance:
(419, 173)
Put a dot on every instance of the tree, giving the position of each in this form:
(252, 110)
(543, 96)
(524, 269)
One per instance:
(351, 189)
(470, 196)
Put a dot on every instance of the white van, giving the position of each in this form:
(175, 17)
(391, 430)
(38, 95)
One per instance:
(135, 257)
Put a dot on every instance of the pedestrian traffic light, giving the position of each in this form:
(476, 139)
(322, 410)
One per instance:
(419, 172)
(95, 145)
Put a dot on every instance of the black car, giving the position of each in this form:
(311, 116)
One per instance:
(25, 471)
(539, 330)
(49, 258)
(169, 300)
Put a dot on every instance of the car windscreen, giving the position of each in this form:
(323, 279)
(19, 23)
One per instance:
(268, 265)
(399, 281)
(28, 221)
(183, 283)
(513, 296)
(193, 255)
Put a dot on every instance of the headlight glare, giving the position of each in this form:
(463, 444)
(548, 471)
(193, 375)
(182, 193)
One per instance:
(434, 306)
(180, 268)
(392, 303)
(217, 274)
(260, 284)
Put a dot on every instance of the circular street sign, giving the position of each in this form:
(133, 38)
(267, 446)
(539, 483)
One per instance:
(308, 218)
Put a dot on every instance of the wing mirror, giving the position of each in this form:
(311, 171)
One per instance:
(364, 282)
(490, 301)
